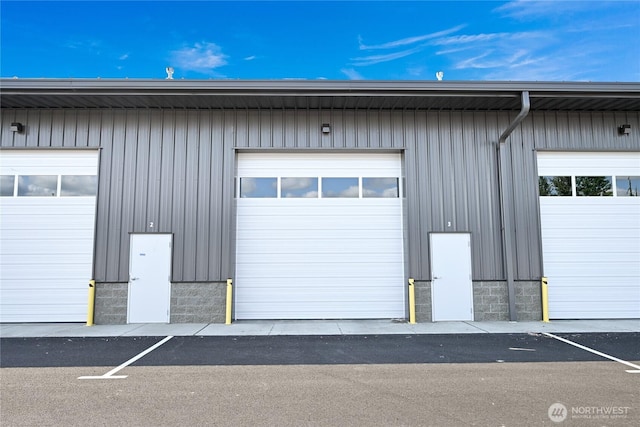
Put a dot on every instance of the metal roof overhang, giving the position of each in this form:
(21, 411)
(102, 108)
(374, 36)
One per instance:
(321, 94)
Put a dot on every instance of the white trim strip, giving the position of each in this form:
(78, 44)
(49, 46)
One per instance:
(109, 375)
(615, 359)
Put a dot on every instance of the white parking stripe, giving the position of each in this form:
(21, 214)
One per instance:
(109, 375)
(636, 369)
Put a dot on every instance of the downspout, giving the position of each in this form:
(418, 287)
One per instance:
(505, 220)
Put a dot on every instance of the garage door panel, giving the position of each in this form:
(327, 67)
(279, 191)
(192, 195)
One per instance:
(45, 313)
(322, 257)
(583, 244)
(569, 311)
(46, 249)
(43, 285)
(34, 247)
(581, 258)
(313, 292)
(46, 272)
(324, 269)
(62, 296)
(591, 245)
(47, 260)
(334, 225)
(328, 257)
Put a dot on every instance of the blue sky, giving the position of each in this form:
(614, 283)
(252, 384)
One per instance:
(337, 40)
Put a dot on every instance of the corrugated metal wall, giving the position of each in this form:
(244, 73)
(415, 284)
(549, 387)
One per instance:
(175, 168)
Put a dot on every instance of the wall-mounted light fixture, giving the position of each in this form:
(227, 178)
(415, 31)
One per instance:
(624, 129)
(17, 127)
(326, 128)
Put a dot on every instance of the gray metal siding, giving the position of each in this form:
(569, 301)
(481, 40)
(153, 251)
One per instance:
(176, 168)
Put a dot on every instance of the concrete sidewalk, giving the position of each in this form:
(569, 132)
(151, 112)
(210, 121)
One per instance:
(313, 327)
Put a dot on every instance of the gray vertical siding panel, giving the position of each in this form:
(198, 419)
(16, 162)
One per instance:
(278, 130)
(222, 200)
(128, 189)
(6, 136)
(57, 128)
(104, 185)
(253, 127)
(82, 128)
(414, 135)
(349, 129)
(70, 128)
(178, 185)
(242, 130)
(20, 139)
(191, 197)
(224, 208)
(95, 126)
(45, 130)
(203, 196)
(314, 136)
(152, 198)
(116, 196)
(338, 134)
(141, 171)
(523, 216)
(33, 120)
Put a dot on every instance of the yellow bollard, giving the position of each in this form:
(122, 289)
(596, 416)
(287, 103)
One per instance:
(545, 300)
(92, 302)
(229, 297)
(412, 301)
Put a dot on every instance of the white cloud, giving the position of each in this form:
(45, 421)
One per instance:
(250, 58)
(409, 40)
(530, 9)
(202, 57)
(464, 39)
(376, 59)
(123, 57)
(492, 59)
(352, 74)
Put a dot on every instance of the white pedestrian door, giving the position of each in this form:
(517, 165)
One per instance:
(451, 286)
(149, 278)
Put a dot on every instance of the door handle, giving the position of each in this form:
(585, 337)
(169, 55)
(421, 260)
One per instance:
(134, 278)
(436, 277)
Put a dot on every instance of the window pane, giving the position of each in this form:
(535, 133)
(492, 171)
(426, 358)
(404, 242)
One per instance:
(78, 185)
(554, 185)
(593, 186)
(627, 186)
(6, 185)
(299, 187)
(38, 185)
(340, 187)
(380, 187)
(258, 187)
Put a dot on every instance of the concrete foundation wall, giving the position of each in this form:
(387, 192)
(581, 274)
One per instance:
(529, 300)
(490, 301)
(198, 302)
(423, 302)
(111, 304)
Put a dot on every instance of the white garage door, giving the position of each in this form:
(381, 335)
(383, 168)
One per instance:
(319, 236)
(590, 214)
(47, 211)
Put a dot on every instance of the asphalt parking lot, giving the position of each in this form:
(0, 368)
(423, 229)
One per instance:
(361, 380)
(303, 350)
